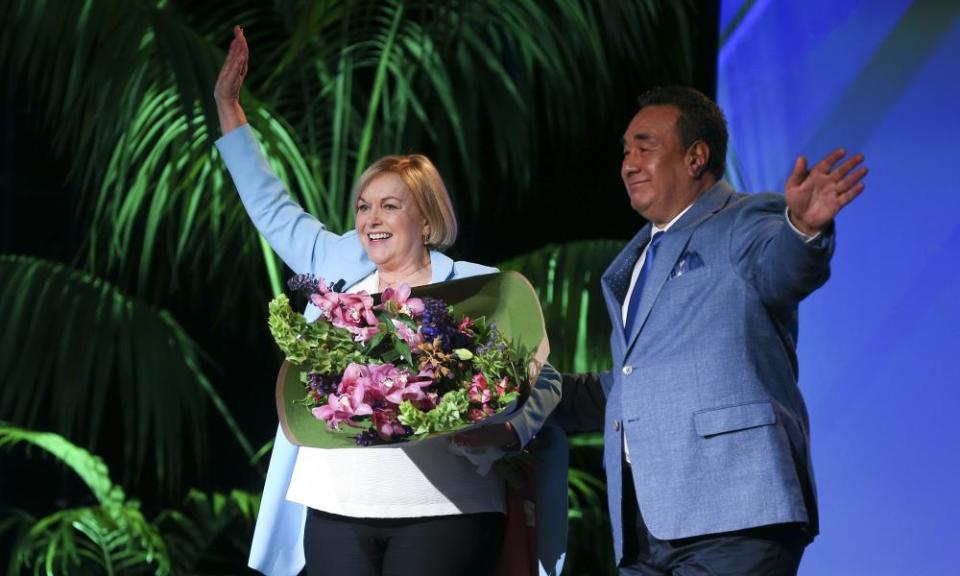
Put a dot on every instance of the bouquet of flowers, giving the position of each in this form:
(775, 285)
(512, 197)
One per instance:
(405, 365)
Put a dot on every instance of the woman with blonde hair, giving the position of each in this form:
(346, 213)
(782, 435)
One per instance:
(416, 509)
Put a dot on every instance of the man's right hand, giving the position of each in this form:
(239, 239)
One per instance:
(816, 196)
(226, 91)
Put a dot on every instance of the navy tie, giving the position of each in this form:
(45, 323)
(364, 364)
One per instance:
(641, 280)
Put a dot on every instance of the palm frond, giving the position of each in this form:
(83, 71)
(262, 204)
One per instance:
(77, 355)
(567, 280)
(113, 537)
(124, 86)
(88, 467)
(202, 520)
(125, 89)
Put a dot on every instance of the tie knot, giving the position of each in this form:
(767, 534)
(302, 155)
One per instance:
(656, 239)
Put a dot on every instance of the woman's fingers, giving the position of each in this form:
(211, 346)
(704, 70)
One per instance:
(234, 68)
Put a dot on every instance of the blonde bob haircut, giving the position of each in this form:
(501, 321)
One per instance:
(425, 185)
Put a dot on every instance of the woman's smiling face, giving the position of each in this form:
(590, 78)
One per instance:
(390, 225)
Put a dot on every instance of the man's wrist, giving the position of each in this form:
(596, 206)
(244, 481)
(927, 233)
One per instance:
(808, 234)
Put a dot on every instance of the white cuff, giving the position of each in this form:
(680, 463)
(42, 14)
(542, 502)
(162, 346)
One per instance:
(807, 239)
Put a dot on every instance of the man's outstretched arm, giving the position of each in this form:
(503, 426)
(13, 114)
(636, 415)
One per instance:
(583, 402)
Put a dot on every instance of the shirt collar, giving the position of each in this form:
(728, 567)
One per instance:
(654, 229)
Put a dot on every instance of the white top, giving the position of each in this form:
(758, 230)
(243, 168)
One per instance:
(416, 480)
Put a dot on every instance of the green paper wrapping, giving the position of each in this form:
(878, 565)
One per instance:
(506, 298)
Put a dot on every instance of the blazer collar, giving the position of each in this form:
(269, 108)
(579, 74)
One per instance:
(441, 267)
(712, 201)
(616, 280)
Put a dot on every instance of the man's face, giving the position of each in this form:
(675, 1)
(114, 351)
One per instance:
(655, 169)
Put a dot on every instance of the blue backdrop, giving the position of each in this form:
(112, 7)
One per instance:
(880, 343)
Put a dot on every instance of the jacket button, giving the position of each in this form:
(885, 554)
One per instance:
(627, 370)
(616, 425)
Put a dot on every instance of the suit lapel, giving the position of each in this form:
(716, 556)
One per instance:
(667, 253)
(616, 279)
(670, 249)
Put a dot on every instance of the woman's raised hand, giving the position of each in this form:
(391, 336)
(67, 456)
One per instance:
(226, 92)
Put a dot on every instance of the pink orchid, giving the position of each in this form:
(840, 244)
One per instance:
(342, 408)
(326, 301)
(429, 401)
(479, 392)
(354, 310)
(363, 334)
(355, 376)
(383, 377)
(387, 425)
(477, 414)
(407, 334)
(502, 386)
(412, 388)
(395, 386)
(401, 301)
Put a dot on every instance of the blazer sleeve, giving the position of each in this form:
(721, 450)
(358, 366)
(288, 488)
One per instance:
(302, 241)
(770, 255)
(544, 397)
(583, 401)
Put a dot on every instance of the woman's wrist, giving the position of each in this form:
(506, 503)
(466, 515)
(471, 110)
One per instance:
(231, 115)
(514, 444)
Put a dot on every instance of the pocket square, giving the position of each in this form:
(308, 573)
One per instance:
(688, 262)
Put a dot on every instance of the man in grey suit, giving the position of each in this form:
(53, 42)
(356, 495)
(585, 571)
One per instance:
(706, 436)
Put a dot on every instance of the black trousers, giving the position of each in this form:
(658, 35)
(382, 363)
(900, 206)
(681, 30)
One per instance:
(763, 551)
(465, 544)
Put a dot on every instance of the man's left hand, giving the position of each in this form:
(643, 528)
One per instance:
(814, 197)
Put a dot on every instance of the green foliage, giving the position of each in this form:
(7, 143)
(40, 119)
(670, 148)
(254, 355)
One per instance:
(451, 412)
(201, 520)
(317, 346)
(76, 353)
(333, 84)
(567, 280)
(112, 536)
(495, 358)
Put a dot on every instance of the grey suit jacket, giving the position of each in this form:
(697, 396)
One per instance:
(705, 386)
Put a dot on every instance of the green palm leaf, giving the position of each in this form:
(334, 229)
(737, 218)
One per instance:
(567, 279)
(112, 536)
(203, 520)
(124, 86)
(76, 354)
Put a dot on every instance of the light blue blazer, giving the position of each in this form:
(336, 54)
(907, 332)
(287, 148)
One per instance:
(306, 246)
(704, 388)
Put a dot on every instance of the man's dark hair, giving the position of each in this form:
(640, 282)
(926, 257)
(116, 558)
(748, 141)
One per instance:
(700, 119)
